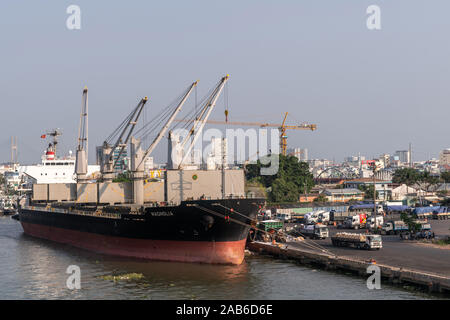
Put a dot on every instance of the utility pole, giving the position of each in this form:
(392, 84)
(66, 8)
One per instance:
(14, 152)
(410, 155)
(374, 168)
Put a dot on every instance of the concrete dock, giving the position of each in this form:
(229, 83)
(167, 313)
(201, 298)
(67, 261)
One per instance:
(400, 262)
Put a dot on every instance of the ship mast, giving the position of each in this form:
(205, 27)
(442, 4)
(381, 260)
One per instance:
(55, 134)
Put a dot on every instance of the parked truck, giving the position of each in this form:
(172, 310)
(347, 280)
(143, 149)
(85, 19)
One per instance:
(324, 217)
(285, 217)
(425, 212)
(356, 221)
(313, 217)
(370, 224)
(357, 240)
(394, 227)
(314, 231)
(441, 214)
(367, 207)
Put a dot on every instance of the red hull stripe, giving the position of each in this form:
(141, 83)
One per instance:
(227, 252)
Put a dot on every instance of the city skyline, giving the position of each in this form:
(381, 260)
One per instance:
(368, 91)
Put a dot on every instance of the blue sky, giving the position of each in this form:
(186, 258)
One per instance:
(368, 91)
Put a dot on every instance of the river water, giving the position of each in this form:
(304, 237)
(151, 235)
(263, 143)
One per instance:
(36, 269)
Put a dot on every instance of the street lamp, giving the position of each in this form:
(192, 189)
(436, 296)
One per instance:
(374, 169)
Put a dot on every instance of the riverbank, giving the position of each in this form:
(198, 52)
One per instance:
(400, 261)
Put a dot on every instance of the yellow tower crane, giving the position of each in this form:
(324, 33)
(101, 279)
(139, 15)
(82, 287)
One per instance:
(282, 127)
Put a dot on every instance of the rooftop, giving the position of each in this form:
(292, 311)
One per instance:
(367, 180)
(347, 191)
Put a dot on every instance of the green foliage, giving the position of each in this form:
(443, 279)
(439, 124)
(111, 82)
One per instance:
(292, 179)
(446, 202)
(426, 180)
(407, 176)
(368, 191)
(409, 221)
(2, 179)
(441, 193)
(411, 176)
(321, 198)
(445, 176)
(283, 191)
(123, 177)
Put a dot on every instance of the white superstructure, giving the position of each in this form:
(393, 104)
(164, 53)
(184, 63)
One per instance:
(55, 170)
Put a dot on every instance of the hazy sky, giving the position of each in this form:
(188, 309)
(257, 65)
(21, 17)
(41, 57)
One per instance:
(368, 91)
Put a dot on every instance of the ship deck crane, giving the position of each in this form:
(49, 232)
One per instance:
(127, 125)
(168, 123)
(81, 162)
(202, 119)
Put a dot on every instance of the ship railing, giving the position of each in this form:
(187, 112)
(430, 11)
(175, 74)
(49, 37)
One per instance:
(76, 212)
(48, 209)
(96, 214)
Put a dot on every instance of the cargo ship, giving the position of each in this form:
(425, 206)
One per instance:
(188, 214)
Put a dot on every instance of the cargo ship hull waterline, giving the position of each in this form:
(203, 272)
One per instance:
(186, 233)
(191, 214)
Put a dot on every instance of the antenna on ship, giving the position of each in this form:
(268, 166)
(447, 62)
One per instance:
(55, 133)
(81, 162)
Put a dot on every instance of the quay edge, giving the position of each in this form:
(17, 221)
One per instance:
(395, 275)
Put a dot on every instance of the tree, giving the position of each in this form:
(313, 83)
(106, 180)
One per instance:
(425, 180)
(368, 191)
(407, 176)
(445, 176)
(321, 198)
(283, 191)
(123, 177)
(410, 222)
(291, 179)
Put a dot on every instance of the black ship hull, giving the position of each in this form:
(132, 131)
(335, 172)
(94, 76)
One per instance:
(207, 231)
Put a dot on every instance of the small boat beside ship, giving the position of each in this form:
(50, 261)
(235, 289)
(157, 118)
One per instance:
(7, 206)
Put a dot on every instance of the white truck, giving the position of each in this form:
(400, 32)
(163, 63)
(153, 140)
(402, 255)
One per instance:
(314, 231)
(265, 214)
(394, 227)
(285, 217)
(370, 223)
(357, 240)
(355, 222)
(324, 217)
(314, 216)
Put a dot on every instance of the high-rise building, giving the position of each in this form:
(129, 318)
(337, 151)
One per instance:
(385, 160)
(403, 155)
(122, 161)
(444, 157)
(121, 164)
(299, 153)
